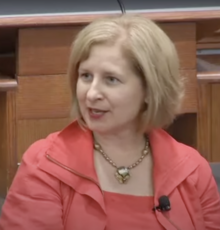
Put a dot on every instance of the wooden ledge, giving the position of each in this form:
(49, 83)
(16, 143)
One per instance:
(208, 77)
(7, 83)
(73, 19)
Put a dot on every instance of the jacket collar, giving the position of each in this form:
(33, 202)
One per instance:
(73, 148)
(172, 162)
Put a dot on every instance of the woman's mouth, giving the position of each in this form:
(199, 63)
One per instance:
(96, 113)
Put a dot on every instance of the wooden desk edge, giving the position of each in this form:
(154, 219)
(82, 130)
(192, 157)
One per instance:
(62, 19)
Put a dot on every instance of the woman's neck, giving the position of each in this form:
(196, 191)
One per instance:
(123, 144)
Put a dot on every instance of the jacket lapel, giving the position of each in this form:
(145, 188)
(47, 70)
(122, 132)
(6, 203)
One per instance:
(172, 162)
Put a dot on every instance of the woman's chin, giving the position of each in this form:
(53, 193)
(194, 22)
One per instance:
(99, 128)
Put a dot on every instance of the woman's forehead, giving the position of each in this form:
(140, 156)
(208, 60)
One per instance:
(104, 55)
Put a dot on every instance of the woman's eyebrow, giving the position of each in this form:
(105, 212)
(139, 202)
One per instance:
(112, 73)
(83, 70)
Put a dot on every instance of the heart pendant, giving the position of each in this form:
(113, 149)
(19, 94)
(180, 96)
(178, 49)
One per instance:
(122, 175)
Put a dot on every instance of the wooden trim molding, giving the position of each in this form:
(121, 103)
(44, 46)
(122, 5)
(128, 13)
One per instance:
(7, 83)
(73, 19)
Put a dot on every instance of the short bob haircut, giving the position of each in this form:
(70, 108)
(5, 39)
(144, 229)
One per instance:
(152, 56)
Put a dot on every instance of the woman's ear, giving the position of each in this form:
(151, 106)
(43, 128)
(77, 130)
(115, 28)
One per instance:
(146, 101)
(145, 105)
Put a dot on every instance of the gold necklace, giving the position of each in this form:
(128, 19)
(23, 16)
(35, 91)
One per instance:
(122, 173)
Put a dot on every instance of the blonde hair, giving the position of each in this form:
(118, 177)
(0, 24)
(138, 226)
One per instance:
(152, 55)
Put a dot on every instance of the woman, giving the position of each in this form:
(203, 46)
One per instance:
(114, 167)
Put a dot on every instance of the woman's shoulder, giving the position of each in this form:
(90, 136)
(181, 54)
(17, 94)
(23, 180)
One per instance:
(38, 148)
(162, 140)
(182, 152)
(202, 173)
(196, 167)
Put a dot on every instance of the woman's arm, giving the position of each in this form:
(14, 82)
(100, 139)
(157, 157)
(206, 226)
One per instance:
(33, 201)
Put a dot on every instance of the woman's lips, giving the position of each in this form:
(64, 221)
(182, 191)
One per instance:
(96, 113)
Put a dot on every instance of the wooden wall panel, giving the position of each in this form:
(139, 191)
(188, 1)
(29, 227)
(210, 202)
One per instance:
(8, 154)
(45, 51)
(184, 37)
(209, 106)
(11, 136)
(208, 131)
(204, 121)
(215, 118)
(29, 131)
(43, 97)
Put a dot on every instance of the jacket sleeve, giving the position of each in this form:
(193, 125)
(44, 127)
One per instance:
(33, 200)
(209, 196)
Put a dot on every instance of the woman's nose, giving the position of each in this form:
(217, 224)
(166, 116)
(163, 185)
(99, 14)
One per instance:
(94, 92)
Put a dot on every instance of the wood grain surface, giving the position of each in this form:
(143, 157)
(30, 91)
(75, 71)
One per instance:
(43, 97)
(29, 131)
(8, 138)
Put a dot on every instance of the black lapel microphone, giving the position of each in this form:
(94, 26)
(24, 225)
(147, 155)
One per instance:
(164, 204)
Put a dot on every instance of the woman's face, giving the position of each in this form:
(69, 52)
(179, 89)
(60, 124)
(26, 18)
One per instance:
(109, 94)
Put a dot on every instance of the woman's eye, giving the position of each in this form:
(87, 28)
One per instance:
(112, 80)
(86, 76)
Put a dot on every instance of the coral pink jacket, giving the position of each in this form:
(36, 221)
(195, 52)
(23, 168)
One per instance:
(56, 186)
